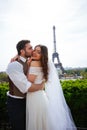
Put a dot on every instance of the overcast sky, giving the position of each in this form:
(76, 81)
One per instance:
(34, 20)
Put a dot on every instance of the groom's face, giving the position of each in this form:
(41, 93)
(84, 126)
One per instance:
(28, 50)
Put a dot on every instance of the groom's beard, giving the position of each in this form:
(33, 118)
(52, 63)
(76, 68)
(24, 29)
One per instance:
(28, 55)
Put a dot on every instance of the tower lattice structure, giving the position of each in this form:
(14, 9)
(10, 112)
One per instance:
(55, 54)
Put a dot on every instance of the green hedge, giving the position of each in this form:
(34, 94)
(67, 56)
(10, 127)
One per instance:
(3, 96)
(3, 99)
(76, 96)
(75, 93)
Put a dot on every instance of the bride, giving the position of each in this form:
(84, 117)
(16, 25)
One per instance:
(46, 109)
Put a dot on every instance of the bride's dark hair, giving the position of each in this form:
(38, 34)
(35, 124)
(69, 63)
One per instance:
(44, 60)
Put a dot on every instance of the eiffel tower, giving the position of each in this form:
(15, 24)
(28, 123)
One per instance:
(55, 55)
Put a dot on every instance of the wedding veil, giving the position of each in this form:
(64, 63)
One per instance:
(59, 112)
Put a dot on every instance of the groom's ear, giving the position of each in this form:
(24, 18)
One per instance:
(22, 51)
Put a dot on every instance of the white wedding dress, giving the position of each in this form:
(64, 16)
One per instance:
(47, 109)
(37, 105)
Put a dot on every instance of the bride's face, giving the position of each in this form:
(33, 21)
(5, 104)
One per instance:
(37, 53)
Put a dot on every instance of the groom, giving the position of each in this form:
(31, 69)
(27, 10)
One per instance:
(19, 86)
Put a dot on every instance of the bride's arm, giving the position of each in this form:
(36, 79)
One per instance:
(32, 77)
(14, 58)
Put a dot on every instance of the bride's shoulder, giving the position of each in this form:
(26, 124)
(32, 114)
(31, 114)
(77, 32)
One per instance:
(35, 64)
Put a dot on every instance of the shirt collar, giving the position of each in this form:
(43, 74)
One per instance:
(23, 59)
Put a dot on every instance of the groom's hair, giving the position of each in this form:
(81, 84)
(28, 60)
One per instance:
(21, 45)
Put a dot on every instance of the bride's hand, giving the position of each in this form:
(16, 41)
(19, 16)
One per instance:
(29, 61)
(14, 58)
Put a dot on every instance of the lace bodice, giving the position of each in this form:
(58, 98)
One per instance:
(37, 71)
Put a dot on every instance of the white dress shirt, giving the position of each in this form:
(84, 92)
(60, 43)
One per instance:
(16, 74)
